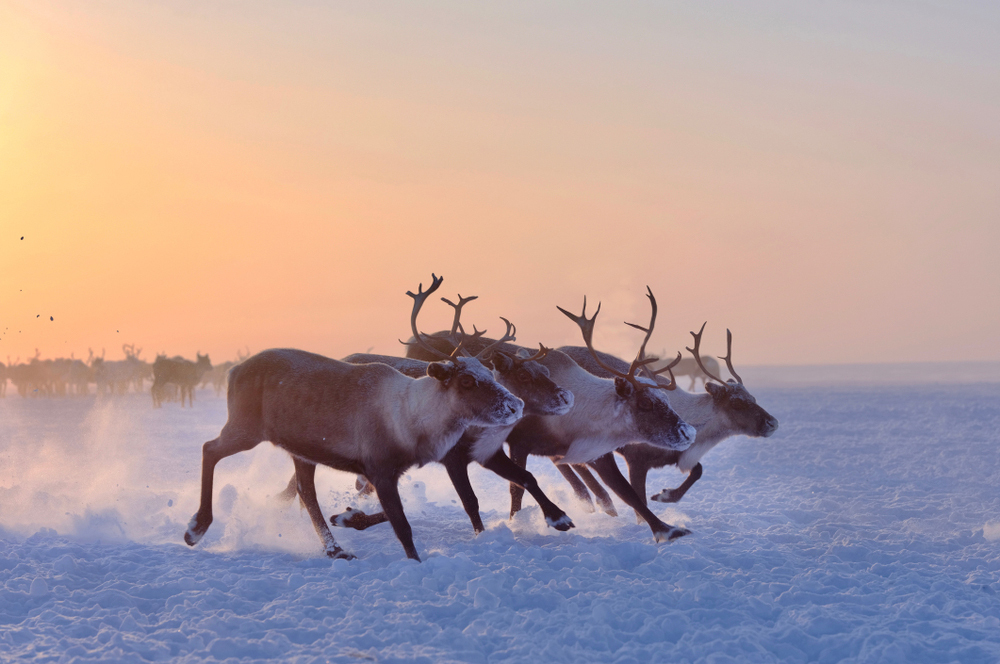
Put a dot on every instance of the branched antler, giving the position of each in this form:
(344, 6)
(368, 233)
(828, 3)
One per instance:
(587, 328)
(729, 356)
(462, 301)
(697, 355)
(418, 301)
(509, 335)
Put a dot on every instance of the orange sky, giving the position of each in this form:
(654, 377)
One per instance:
(825, 181)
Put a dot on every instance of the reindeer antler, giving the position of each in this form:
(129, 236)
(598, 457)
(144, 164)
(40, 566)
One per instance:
(542, 352)
(729, 356)
(462, 301)
(418, 301)
(697, 355)
(587, 328)
(509, 335)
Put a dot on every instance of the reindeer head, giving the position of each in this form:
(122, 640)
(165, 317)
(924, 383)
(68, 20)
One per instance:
(732, 398)
(641, 399)
(472, 388)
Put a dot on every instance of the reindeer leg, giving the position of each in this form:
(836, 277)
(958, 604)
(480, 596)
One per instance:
(674, 495)
(520, 459)
(600, 495)
(502, 465)
(290, 491)
(387, 490)
(456, 462)
(212, 452)
(305, 473)
(637, 478)
(357, 519)
(608, 470)
(578, 487)
(364, 487)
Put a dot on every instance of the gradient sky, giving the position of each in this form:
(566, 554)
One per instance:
(823, 178)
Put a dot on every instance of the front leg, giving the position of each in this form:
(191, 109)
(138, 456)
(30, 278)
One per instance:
(456, 462)
(637, 472)
(608, 470)
(387, 490)
(305, 474)
(503, 466)
(674, 495)
(520, 459)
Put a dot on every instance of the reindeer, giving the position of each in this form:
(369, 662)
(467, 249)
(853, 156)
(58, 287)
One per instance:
(524, 377)
(178, 371)
(219, 374)
(135, 370)
(367, 419)
(606, 415)
(726, 409)
(3, 378)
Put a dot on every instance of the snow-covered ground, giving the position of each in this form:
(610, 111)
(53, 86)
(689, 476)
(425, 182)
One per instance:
(867, 529)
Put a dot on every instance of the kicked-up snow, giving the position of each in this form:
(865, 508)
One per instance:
(867, 529)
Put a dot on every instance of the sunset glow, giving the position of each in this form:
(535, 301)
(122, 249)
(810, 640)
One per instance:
(208, 178)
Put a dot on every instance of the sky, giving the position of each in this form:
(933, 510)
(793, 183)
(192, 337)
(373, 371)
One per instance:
(821, 178)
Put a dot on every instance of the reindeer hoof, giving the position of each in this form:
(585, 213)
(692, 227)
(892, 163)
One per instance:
(562, 524)
(195, 531)
(666, 496)
(351, 518)
(339, 554)
(671, 534)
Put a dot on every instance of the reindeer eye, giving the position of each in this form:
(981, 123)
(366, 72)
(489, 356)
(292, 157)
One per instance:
(467, 382)
(645, 403)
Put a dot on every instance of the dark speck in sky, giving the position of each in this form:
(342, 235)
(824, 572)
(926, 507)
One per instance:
(51, 318)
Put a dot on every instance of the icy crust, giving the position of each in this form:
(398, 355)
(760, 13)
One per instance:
(865, 530)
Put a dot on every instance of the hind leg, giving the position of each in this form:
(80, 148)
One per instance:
(227, 444)
(578, 487)
(289, 491)
(600, 495)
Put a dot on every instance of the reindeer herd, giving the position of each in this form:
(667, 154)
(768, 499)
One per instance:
(456, 398)
(172, 378)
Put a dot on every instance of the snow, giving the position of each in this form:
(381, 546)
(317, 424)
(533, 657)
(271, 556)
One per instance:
(867, 529)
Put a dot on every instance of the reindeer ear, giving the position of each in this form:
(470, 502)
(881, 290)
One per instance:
(715, 389)
(623, 388)
(501, 362)
(441, 371)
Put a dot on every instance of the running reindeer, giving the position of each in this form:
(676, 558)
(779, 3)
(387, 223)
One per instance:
(607, 414)
(366, 419)
(725, 409)
(522, 375)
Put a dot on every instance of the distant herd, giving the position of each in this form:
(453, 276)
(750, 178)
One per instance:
(173, 378)
(457, 398)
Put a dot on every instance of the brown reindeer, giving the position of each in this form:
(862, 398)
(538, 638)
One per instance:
(366, 419)
(178, 371)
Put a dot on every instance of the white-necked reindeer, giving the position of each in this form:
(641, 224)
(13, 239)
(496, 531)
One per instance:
(367, 419)
(725, 409)
(606, 415)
